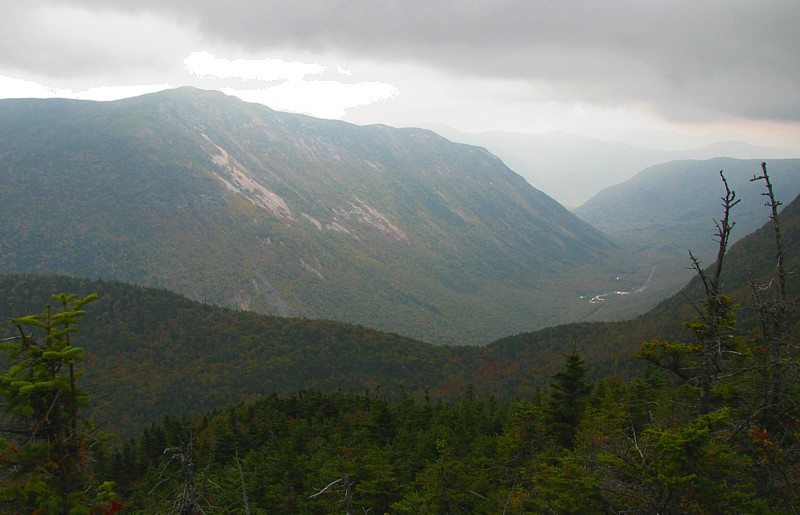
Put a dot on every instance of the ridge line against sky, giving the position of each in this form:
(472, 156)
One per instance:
(725, 67)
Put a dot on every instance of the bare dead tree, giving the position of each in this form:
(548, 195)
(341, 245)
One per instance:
(187, 501)
(703, 362)
(714, 331)
(346, 485)
(774, 204)
(244, 488)
(773, 312)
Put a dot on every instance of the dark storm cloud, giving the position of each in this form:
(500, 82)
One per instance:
(52, 38)
(691, 60)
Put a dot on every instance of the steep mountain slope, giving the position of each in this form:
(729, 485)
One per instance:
(238, 205)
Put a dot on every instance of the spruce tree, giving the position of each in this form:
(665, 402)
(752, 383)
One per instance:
(567, 403)
(48, 445)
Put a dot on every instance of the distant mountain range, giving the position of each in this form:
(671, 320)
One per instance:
(572, 168)
(238, 205)
(669, 209)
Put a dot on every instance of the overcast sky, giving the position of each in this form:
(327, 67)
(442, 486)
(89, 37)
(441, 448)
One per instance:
(696, 67)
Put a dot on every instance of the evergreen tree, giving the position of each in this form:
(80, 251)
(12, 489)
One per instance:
(49, 445)
(567, 403)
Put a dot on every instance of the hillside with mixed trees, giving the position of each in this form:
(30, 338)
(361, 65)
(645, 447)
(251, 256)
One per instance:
(153, 352)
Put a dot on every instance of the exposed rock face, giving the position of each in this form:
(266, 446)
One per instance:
(238, 180)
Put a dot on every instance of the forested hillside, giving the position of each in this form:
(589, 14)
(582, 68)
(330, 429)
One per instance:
(153, 352)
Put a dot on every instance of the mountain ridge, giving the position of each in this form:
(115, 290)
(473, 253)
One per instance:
(574, 168)
(239, 205)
